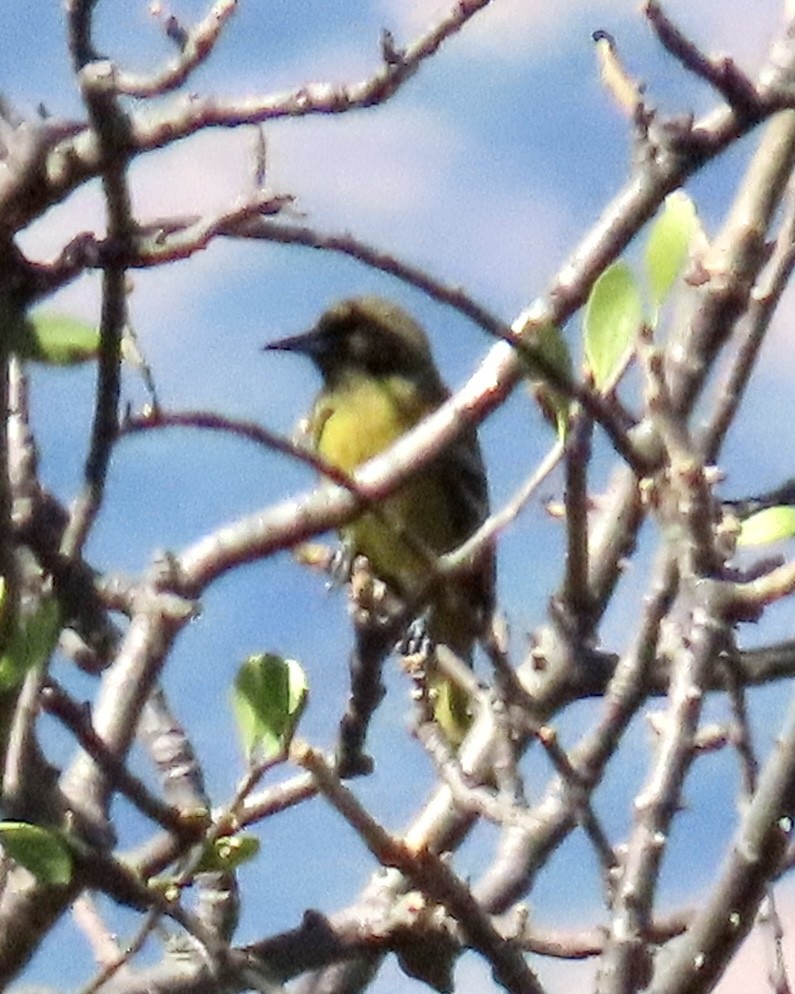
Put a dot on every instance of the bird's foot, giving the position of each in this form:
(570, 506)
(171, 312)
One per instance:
(416, 640)
(340, 566)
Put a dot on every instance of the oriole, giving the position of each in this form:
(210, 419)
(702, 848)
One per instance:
(379, 380)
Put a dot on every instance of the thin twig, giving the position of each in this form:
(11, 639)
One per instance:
(197, 46)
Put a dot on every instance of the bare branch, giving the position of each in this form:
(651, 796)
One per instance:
(737, 89)
(196, 47)
(110, 126)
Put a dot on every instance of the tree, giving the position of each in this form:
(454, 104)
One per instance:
(630, 420)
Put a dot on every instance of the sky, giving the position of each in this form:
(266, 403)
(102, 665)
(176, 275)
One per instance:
(487, 169)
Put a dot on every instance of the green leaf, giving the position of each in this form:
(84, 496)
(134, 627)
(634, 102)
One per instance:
(31, 643)
(41, 851)
(269, 695)
(771, 525)
(667, 248)
(552, 348)
(613, 317)
(56, 339)
(227, 853)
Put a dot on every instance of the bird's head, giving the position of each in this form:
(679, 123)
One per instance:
(363, 334)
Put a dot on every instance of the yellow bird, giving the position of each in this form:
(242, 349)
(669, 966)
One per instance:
(379, 380)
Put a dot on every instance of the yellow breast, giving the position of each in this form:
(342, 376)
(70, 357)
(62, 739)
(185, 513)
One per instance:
(357, 421)
(352, 425)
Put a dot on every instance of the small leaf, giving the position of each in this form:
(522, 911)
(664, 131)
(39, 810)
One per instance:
(613, 317)
(56, 339)
(771, 525)
(668, 245)
(269, 695)
(552, 348)
(31, 643)
(41, 851)
(227, 853)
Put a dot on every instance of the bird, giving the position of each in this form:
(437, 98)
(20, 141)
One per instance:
(379, 379)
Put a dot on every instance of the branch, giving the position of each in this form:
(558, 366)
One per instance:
(77, 719)
(725, 918)
(73, 161)
(153, 419)
(110, 126)
(734, 85)
(196, 47)
(166, 241)
(432, 876)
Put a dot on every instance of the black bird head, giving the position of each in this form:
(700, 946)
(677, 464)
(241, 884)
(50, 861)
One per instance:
(364, 334)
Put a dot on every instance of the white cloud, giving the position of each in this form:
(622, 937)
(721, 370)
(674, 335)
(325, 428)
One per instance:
(366, 165)
(747, 972)
(402, 178)
(727, 28)
(506, 29)
(511, 29)
(205, 174)
(410, 182)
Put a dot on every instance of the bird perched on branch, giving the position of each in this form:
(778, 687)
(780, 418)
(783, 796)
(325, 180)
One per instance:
(379, 381)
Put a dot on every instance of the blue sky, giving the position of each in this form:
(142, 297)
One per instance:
(487, 169)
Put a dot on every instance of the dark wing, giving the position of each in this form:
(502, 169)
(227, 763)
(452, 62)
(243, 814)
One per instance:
(463, 473)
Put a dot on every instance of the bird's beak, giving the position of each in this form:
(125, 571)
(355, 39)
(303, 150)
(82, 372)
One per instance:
(311, 343)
